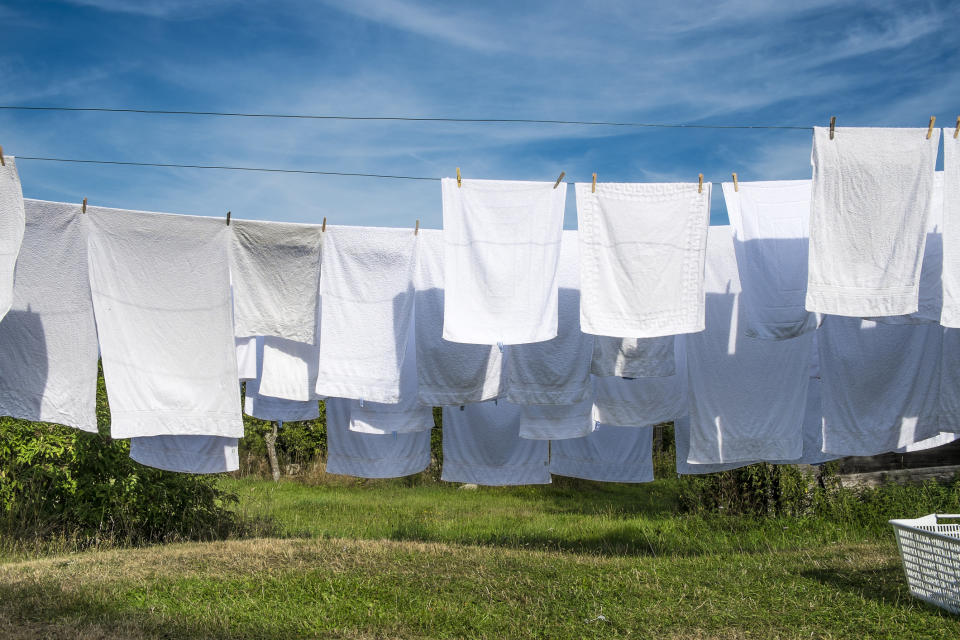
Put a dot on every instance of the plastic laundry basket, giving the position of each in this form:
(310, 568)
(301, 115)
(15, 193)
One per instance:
(930, 551)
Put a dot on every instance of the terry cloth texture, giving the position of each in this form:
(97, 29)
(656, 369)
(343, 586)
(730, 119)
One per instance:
(265, 407)
(633, 357)
(288, 369)
(187, 454)
(502, 246)
(246, 358)
(557, 421)
(11, 229)
(951, 230)
(482, 445)
(747, 396)
(641, 258)
(276, 273)
(161, 294)
(609, 454)
(871, 198)
(449, 373)
(367, 455)
(771, 237)
(366, 290)
(48, 339)
(555, 371)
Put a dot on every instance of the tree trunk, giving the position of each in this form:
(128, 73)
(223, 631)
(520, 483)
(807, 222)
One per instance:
(271, 440)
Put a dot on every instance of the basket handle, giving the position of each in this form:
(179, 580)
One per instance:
(947, 516)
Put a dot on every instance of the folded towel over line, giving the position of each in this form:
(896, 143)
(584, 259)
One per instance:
(187, 454)
(11, 229)
(264, 407)
(951, 231)
(161, 294)
(288, 369)
(641, 258)
(609, 454)
(502, 241)
(633, 357)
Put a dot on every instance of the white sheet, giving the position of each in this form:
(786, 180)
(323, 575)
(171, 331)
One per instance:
(288, 369)
(633, 357)
(187, 454)
(11, 229)
(557, 421)
(951, 230)
(609, 454)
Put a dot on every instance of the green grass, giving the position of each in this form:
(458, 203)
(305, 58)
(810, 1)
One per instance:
(391, 560)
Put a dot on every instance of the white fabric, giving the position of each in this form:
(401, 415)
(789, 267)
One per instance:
(502, 246)
(557, 421)
(187, 454)
(940, 440)
(367, 455)
(276, 271)
(482, 445)
(641, 258)
(366, 289)
(951, 230)
(11, 229)
(449, 373)
(771, 236)
(246, 357)
(871, 198)
(949, 401)
(555, 371)
(640, 402)
(633, 357)
(881, 384)
(812, 428)
(288, 369)
(264, 407)
(48, 339)
(161, 293)
(609, 454)
(747, 396)
(681, 435)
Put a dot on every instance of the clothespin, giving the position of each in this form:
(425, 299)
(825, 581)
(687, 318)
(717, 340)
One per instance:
(593, 189)
(736, 185)
(228, 218)
(459, 182)
(323, 227)
(557, 183)
(930, 128)
(956, 132)
(416, 229)
(84, 208)
(833, 125)
(700, 183)
(3, 162)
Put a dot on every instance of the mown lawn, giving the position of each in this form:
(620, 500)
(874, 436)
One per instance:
(572, 560)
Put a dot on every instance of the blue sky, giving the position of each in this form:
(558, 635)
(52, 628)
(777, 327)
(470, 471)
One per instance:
(742, 62)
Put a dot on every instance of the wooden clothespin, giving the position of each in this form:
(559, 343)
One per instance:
(593, 189)
(736, 185)
(459, 181)
(3, 162)
(83, 209)
(323, 227)
(559, 179)
(833, 125)
(930, 128)
(416, 229)
(700, 183)
(956, 132)
(228, 218)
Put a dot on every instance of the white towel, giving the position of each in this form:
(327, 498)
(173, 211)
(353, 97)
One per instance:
(771, 237)
(637, 402)
(609, 454)
(449, 373)
(366, 287)
(264, 407)
(187, 454)
(11, 229)
(502, 245)
(681, 436)
(276, 272)
(747, 396)
(288, 369)
(940, 440)
(633, 357)
(641, 258)
(246, 357)
(949, 402)
(161, 293)
(881, 384)
(951, 230)
(557, 421)
(555, 371)
(48, 339)
(367, 455)
(482, 445)
(871, 198)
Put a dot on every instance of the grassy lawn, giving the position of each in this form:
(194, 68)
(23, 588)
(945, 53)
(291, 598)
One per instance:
(388, 560)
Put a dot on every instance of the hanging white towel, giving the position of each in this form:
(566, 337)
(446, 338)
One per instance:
(276, 272)
(11, 229)
(641, 258)
(482, 445)
(871, 198)
(636, 402)
(609, 454)
(161, 293)
(187, 454)
(555, 371)
(449, 373)
(48, 339)
(366, 287)
(771, 237)
(949, 401)
(367, 455)
(246, 357)
(633, 357)
(940, 440)
(681, 436)
(502, 246)
(557, 421)
(951, 230)
(881, 384)
(747, 396)
(264, 407)
(289, 369)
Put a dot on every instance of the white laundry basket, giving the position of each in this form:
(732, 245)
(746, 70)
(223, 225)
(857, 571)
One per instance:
(930, 551)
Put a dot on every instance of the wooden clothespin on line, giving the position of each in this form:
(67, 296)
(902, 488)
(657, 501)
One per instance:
(833, 125)
(3, 162)
(736, 185)
(416, 229)
(459, 181)
(228, 218)
(83, 208)
(559, 179)
(956, 132)
(700, 183)
(323, 227)
(930, 127)
(593, 189)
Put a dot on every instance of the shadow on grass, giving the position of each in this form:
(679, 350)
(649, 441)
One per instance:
(886, 585)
